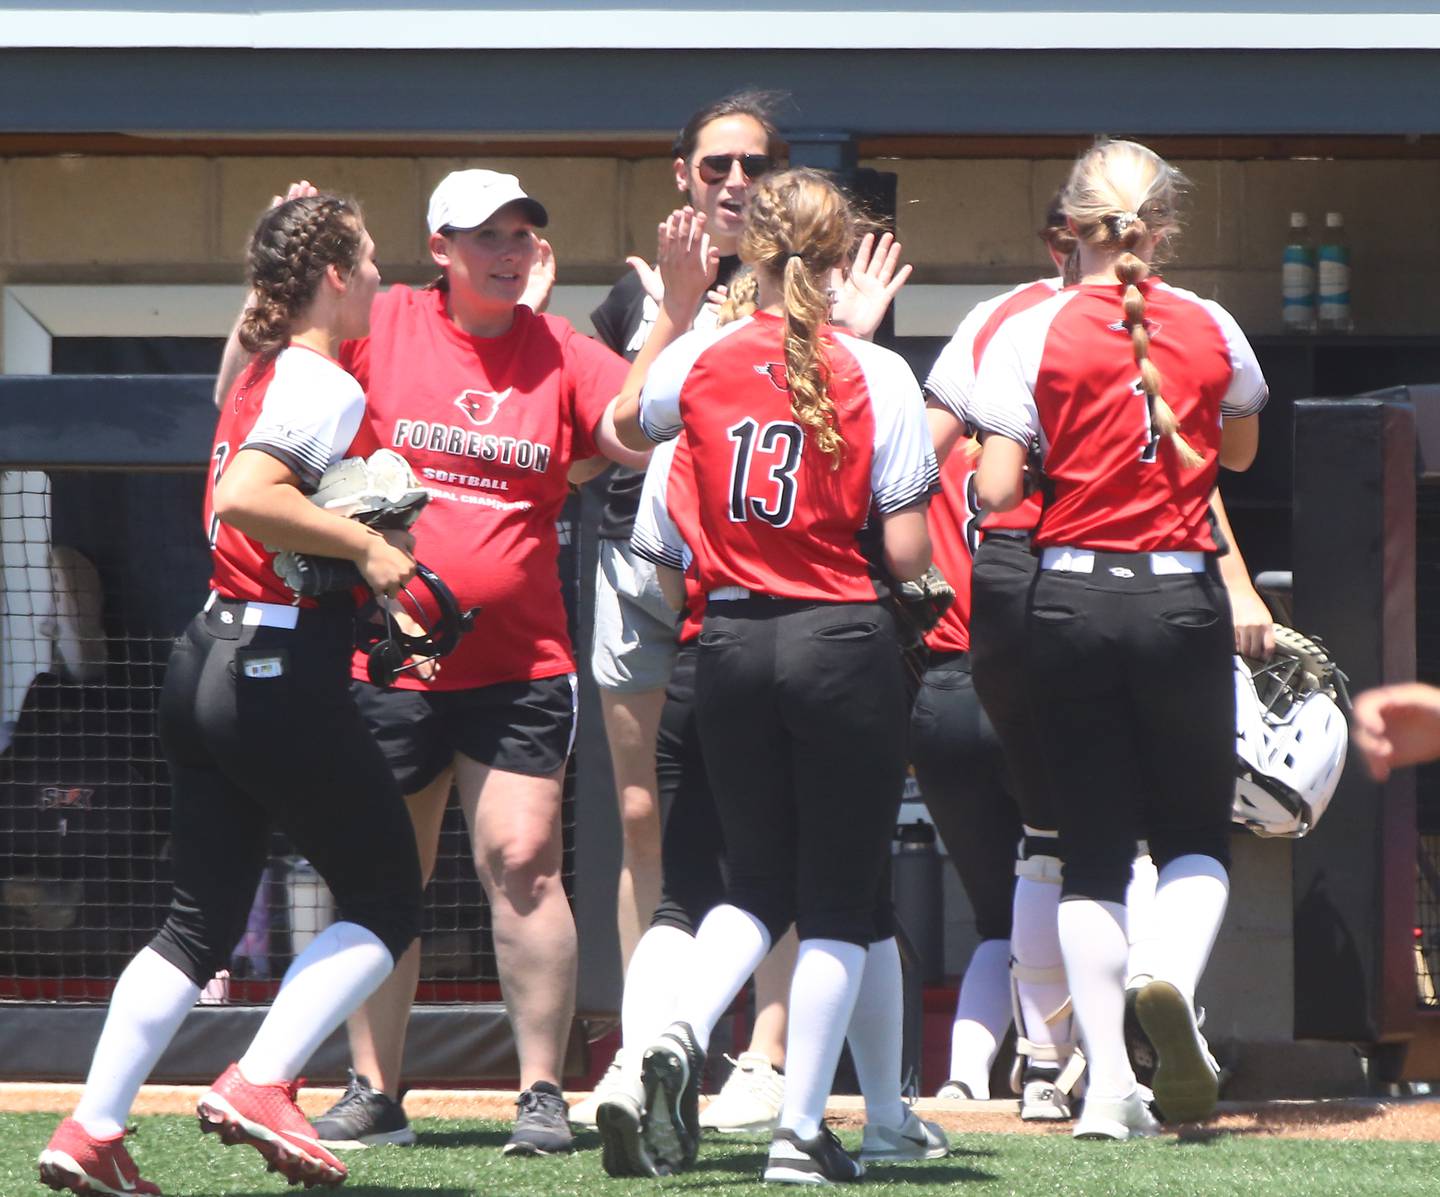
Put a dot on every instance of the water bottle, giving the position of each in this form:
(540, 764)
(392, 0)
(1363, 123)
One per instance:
(918, 889)
(1297, 277)
(1334, 276)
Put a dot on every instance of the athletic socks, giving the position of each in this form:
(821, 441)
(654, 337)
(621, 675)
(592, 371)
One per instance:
(827, 980)
(728, 947)
(1092, 935)
(149, 1003)
(661, 961)
(982, 1016)
(1190, 902)
(1039, 965)
(1140, 925)
(341, 967)
(875, 1031)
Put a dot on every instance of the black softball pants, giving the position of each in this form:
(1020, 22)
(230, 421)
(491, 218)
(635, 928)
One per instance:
(961, 770)
(802, 713)
(1133, 696)
(259, 728)
(1003, 572)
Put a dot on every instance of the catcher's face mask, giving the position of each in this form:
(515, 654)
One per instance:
(392, 651)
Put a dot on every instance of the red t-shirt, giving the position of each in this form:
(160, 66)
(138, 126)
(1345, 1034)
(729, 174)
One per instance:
(1064, 371)
(773, 515)
(301, 408)
(490, 426)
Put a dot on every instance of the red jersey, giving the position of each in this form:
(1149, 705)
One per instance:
(955, 514)
(1064, 371)
(490, 426)
(301, 408)
(774, 515)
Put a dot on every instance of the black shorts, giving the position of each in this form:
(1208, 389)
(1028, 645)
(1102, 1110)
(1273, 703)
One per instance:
(1000, 583)
(522, 727)
(1133, 697)
(961, 771)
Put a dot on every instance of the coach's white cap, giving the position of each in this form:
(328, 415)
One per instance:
(466, 199)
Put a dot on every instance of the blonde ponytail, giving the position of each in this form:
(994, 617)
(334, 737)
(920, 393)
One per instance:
(800, 227)
(1120, 194)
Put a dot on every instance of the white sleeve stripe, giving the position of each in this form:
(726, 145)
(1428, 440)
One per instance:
(658, 432)
(1254, 404)
(951, 400)
(314, 452)
(911, 490)
(996, 420)
(656, 551)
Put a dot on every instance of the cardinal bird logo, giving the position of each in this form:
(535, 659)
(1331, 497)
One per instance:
(53, 796)
(775, 372)
(480, 407)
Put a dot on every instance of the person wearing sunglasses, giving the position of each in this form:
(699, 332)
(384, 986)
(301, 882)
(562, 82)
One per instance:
(723, 149)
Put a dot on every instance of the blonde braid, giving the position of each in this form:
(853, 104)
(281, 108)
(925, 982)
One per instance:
(741, 297)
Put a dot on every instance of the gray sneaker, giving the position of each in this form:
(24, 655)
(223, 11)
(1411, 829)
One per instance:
(542, 1123)
(363, 1117)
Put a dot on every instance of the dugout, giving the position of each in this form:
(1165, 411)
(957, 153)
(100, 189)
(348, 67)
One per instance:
(126, 192)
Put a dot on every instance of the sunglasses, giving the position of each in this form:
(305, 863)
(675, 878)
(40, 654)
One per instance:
(715, 168)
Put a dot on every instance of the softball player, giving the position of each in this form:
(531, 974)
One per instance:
(720, 153)
(1135, 391)
(793, 432)
(259, 727)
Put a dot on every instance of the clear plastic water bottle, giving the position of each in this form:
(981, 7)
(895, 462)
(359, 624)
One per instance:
(1333, 269)
(1297, 277)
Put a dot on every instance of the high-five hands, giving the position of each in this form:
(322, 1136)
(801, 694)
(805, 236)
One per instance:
(865, 292)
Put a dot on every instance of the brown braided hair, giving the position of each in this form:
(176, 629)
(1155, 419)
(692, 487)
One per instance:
(1121, 193)
(741, 297)
(798, 228)
(290, 249)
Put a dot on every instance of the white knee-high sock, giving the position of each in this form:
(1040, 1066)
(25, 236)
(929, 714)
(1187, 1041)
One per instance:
(877, 1026)
(662, 960)
(340, 968)
(1190, 902)
(1092, 935)
(1040, 966)
(149, 1003)
(728, 947)
(982, 1016)
(822, 997)
(1140, 923)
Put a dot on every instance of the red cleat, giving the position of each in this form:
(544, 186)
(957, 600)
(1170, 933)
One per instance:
(266, 1117)
(74, 1160)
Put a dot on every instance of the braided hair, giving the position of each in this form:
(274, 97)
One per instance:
(292, 246)
(1120, 194)
(798, 228)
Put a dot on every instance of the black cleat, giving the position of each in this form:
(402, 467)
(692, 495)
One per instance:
(670, 1072)
(817, 1161)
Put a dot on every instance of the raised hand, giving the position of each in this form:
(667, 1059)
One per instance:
(649, 277)
(542, 278)
(688, 264)
(297, 190)
(864, 294)
(1396, 726)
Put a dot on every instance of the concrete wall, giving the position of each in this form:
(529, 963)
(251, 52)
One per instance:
(185, 219)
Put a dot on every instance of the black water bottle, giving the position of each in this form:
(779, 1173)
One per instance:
(918, 891)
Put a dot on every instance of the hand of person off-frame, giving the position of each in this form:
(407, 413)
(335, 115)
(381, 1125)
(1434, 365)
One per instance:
(865, 292)
(542, 278)
(1396, 726)
(687, 262)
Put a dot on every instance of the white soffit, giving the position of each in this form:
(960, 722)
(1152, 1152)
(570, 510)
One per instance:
(744, 24)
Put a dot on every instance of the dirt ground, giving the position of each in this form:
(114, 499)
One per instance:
(1412, 1119)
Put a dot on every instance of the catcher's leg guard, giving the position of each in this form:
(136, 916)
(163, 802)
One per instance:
(1048, 1063)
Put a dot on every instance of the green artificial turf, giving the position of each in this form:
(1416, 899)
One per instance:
(462, 1159)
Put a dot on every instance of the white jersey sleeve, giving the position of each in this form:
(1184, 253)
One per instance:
(951, 380)
(1004, 397)
(312, 410)
(903, 470)
(660, 400)
(1248, 392)
(655, 535)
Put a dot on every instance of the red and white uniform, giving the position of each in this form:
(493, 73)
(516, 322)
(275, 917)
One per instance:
(490, 426)
(656, 536)
(955, 513)
(776, 516)
(304, 410)
(1065, 371)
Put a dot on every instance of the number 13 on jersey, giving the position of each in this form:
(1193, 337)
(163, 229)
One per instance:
(772, 452)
